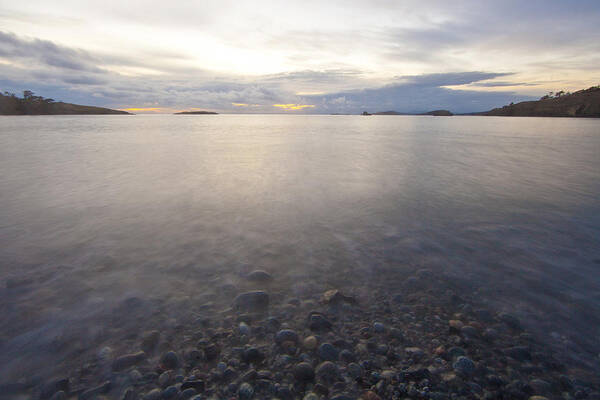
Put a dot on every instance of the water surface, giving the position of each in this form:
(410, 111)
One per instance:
(96, 210)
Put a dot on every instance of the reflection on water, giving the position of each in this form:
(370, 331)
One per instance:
(106, 219)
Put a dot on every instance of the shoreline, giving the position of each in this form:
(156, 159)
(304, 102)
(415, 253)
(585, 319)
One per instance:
(395, 336)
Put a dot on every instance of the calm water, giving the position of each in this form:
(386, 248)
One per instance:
(96, 210)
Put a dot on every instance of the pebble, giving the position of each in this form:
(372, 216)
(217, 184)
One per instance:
(310, 343)
(187, 393)
(378, 327)
(328, 352)
(260, 276)
(304, 372)
(464, 366)
(150, 340)
(128, 360)
(327, 372)
(244, 329)
(170, 393)
(347, 356)
(246, 391)
(252, 355)
(251, 301)
(169, 360)
(154, 394)
(286, 335)
(318, 322)
(354, 370)
(415, 352)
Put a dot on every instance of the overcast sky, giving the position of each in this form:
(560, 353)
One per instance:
(298, 56)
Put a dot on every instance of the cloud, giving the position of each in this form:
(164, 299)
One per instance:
(420, 93)
(46, 53)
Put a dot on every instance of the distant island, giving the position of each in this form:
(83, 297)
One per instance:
(437, 113)
(583, 103)
(196, 113)
(30, 104)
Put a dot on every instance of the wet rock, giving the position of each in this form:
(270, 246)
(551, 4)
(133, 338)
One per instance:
(154, 394)
(310, 343)
(304, 372)
(94, 392)
(347, 356)
(378, 327)
(259, 276)
(519, 353)
(464, 366)
(169, 360)
(469, 331)
(196, 384)
(455, 325)
(60, 395)
(187, 393)
(246, 391)
(252, 355)
(327, 372)
(244, 329)
(310, 396)
(150, 341)
(328, 352)
(415, 353)
(170, 393)
(354, 370)
(455, 352)
(510, 320)
(335, 297)
(286, 335)
(129, 394)
(317, 322)
(128, 360)
(414, 374)
(540, 386)
(256, 301)
(51, 387)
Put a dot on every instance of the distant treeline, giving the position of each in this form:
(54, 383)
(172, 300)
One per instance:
(30, 104)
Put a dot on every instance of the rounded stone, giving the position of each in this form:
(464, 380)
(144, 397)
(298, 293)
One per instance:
(170, 393)
(464, 365)
(286, 335)
(154, 394)
(304, 372)
(244, 329)
(246, 391)
(327, 372)
(378, 327)
(169, 360)
(260, 276)
(347, 356)
(310, 343)
(328, 352)
(354, 370)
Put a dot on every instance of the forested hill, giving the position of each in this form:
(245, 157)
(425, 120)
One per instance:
(29, 104)
(583, 103)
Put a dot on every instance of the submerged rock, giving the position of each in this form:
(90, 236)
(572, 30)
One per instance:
(128, 360)
(259, 276)
(251, 301)
(336, 297)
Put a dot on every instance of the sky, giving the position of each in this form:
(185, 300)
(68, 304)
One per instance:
(298, 56)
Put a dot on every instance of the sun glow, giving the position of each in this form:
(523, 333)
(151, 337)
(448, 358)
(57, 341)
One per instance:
(294, 106)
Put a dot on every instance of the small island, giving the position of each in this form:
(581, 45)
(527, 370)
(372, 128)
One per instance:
(196, 113)
(30, 104)
(437, 113)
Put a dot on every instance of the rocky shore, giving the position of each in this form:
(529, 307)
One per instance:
(404, 337)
